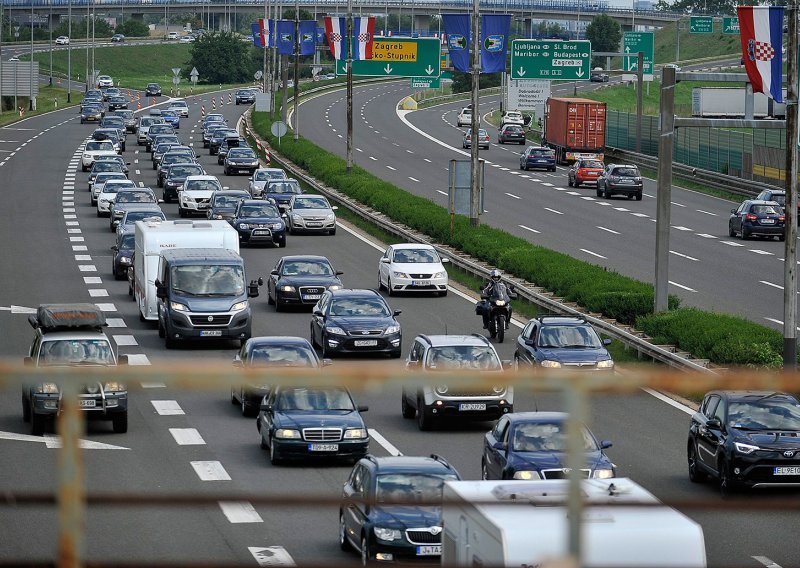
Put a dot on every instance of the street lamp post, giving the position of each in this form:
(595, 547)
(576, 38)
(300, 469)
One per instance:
(31, 102)
(88, 15)
(50, 29)
(296, 69)
(69, 52)
(94, 21)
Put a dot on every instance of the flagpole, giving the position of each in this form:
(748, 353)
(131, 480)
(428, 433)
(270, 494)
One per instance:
(790, 242)
(350, 86)
(475, 185)
(266, 43)
(296, 69)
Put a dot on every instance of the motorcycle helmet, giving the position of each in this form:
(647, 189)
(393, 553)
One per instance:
(495, 275)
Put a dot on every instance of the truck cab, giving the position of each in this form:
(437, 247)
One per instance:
(71, 335)
(203, 294)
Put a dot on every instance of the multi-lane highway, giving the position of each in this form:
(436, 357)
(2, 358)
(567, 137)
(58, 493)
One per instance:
(56, 250)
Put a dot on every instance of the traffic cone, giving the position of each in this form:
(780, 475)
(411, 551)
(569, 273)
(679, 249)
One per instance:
(203, 111)
(222, 100)
(230, 99)
(138, 105)
(213, 103)
(130, 96)
(152, 100)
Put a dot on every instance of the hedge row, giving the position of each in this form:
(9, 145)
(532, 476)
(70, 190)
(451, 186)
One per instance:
(723, 339)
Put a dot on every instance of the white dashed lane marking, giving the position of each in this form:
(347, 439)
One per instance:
(167, 407)
(593, 254)
(188, 437)
(240, 512)
(682, 287)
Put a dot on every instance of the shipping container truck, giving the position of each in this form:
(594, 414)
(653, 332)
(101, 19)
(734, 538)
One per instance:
(575, 128)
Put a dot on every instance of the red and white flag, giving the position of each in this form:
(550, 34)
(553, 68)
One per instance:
(364, 37)
(761, 33)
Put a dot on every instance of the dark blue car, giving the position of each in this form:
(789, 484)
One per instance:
(556, 342)
(282, 190)
(758, 218)
(379, 515)
(532, 445)
(537, 157)
(171, 117)
(312, 422)
(259, 222)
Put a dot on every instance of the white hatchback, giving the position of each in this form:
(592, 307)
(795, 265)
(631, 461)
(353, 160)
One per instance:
(181, 107)
(412, 267)
(194, 196)
(464, 117)
(93, 149)
(107, 194)
(62, 40)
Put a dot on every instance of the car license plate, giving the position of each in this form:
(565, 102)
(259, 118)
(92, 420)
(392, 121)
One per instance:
(211, 333)
(323, 447)
(787, 471)
(312, 296)
(313, 224)
(429, 550)
(87, 403)
(261, 233)
(541, 161)
(767, 221)
(420, 282)
(365, 342)
(472, 406)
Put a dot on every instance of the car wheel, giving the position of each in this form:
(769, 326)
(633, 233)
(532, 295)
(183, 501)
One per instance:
(727, 486)
(278, 305)
(443, 293)
(26, 411)
(606, 193)
(569, 182)
(576, 183)
(161, 333)
(344, 544)
(270, 301)
(695, 475)
(233, 398)
(155, 167)
(424, 421)
(599, 192)
(282, 243)
(169, 342)
(484, 471)
(246, 410)
(781, 238)
(366, 558)
(639, 196)
(120, 423)
(37, 424)
(181, 212)
(262, 443)
(389, 286)
(273, 453)
(731, 232)
(380, 282)
(332, 232)
(745, 234)
(406, 409)
(312, 340)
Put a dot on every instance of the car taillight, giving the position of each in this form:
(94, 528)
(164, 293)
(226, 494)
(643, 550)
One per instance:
(751, 217)
(781, 218)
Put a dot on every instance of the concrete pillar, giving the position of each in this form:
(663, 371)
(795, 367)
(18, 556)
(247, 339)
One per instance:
(422, 24)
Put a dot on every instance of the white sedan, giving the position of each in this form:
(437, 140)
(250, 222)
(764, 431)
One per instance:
(180, 106)
(104, 81)
(95, 148)
(412, 267)
(108, 194)
(194, 196)
(62, 40)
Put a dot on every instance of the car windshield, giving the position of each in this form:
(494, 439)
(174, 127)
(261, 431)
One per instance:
(106, 167)
(412, 488)
(282, 356)
(307, 268)
(284, 187)
(183, 171)
(543, 153)
(163, 147)
(266, 175)
(569, 336)
(135, 197)
(76, 351)
(241, 153)
(113, 122)
(153, 85)
(778, 198)
(547, 437)
(132, 216)
(766, 210)
(148, 121)
(172, 159)
(208, 280)
(116, 187)
(627, 172)
(359, 307)
(592, 164)
(179, 104)
(228, 200)
(311, 203)
(463, 357)
(128, 241)
(265, 210)
(768, 413)
(514, 129)
(314, 399)
(105, 176)
(96, 145)
(414, 256)
(203, 185)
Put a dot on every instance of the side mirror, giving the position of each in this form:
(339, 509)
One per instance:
(28, 361)
(606, 341)
(499, 446)
(115, 248)
(161, 291)
(604, 444)
(274, 273)
(339, 273)
(714, 424)
(363, 408)
(327, 362)
(265, 407)
(733, 210)
(385, 260)
(445, 260)
(397, 312)
(252, 289)
(122, 360)
(317, 313)
(335, 207)
(238, 362)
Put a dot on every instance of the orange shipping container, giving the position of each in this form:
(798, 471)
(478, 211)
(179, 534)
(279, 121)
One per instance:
(575, 126)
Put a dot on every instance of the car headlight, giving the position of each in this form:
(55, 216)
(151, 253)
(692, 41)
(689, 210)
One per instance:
(46, 388)
(607, 364)
(178, 307)
(287, 288)
(746, 449)
(498, 389)
(551, 364)
(499, 302)
(604, 473)
(335, 330)
(188, 198)
(330, 217)
(441, 389)
(239, 306)
(441, 274)
(277, 226)
(287, 433)
(399, 274)
(392, 329)
(113, 386)
(216, 216)
(125, 260)
(355, 433)
(334, 287)
(104, 201)
(297, 219)
(387, 534)
(244, 226)
(527, 475)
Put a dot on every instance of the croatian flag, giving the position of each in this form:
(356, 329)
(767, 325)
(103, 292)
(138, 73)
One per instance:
(364, 37)
(761, 32)
(261, 35)
(336, 32)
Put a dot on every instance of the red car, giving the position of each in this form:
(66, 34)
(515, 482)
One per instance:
(583, 171)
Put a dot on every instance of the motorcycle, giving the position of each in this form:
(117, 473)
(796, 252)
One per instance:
(498, 302)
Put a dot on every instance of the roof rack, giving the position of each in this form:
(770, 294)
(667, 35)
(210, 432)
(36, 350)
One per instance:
(61, 317)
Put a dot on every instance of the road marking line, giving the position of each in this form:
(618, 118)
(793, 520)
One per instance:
(514, 196)
(553, 211)
(593, 254)
(778, 286)
(427, 160)
(74, 231)
(762, 252)
(529, 229)
(622, 209)
(121, 340)
(413, 179)
(240, 512)
(706, 236)
(92, 280)
(116, 322)
(684, 256)
(384, 443)
(571, 192)
(205, 470)
(682, 286)
(83, 257)
(668, 400)
(373, 158)
(640, 214)
(588, 198)
(706, 212)
(167, 407)
(271, 556)
(608, 230)
(72, 223)
(442, 192)
(78, 248)
(546, 184)
(98, 293)
(191, 437)
(732, 244)
(391, 168)
(681, 228)
(677, 204)
(87, 268)
(54, 442)
(106, 307)
(766, 561)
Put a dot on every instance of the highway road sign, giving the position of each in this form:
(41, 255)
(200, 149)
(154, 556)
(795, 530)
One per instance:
(550, 59)
(398, 57)
(701, 25)
(730, 25)
(633, 43)
(176, 71)
(528, 95)
(257, 75)
(425, 83)
(176, 80)
(193, 75)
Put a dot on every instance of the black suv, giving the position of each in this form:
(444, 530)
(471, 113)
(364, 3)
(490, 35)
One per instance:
(379, 516)
(619, 178)
(431, 353)
(745, 439)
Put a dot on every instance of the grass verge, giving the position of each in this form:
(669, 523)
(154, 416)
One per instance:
(49, 99)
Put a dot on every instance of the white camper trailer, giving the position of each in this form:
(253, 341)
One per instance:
(525, 523)
(154, 237)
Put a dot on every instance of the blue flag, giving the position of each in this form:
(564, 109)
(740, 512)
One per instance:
(285, 37)
(255, 27)
(308, 32)
(456, 26)
(320, 35)
(494, 42)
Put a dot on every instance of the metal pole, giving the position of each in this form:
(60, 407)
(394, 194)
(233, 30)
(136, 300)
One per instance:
(94, 20)
(577, 36)
(578, 409)
(69, 52)
(50, 26)
(265, 69)
(296, 128)
(664, 189)
(71, 481)
(790, 253)
(349, 86)
(639, 103)
(88, 15)
(31, 104)
(1, 57)
(677, 40)
(475, 188)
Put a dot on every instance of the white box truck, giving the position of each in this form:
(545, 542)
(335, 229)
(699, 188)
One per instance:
(525, 523)
(154, 237)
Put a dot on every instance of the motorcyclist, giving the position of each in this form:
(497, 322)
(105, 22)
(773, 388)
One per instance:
(495, 280)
